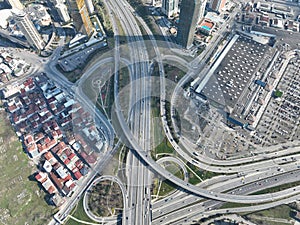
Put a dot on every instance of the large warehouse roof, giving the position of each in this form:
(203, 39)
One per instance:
(235, 72)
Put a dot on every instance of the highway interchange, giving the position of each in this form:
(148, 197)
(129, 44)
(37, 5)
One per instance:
(238, 178)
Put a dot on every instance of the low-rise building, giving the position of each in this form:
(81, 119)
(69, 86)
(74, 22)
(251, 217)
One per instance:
(278, 23)
(264, 20)
(292, 26)
(206, 26)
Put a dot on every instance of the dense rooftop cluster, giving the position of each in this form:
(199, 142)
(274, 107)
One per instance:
(11, 66)
(57, 133)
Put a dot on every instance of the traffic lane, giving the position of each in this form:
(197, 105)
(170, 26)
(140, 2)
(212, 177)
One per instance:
(171, 204)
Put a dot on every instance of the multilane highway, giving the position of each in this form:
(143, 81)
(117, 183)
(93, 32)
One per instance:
(139, 177)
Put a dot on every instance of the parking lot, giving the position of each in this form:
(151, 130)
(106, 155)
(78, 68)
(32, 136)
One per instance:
(79, 58)
(281, 120)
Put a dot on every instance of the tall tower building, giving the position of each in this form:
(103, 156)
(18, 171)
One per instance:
(80, 16)
(202, 9)
(169, 7)
(217, 5)
(28, 29)
(56, 2)
(15, 4)
(188, 18)
(89, 6)
(85, 17)
(63, 12)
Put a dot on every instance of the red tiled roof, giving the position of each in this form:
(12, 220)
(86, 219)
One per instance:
(38, 136)
(56, 180)
(12, 108)
(47, 140)
(78, 175)
(68, 178)
(31, 147)
(68, 151)
(35, 124)
(38, 176)
(41, 148)
(71, 156)
(67, 161)
(48, 155)
(51, 189)
(91, 159)
(78, 163)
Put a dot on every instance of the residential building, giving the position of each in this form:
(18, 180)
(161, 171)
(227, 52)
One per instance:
(56, 2)
(263, 7)
(278, 23)
(39, 14)
(264, 20)
(15, 4)
(28, 29)
(89, 6)
(63, 12)
(206, 26)
(188, 19)
(81, 17)
(284, 10)
(292, 26)
(217, 5)
(170, 7)
(85, 17)
(202, 10)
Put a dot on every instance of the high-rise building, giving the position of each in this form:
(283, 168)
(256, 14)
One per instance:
(63, 12)
(15, 4)
(202, 10)
(217, 5)
(56, 2)
(28, 29)
(80, 16)
(89, 6)
(188, 19)
(169, 7)
(85, 17)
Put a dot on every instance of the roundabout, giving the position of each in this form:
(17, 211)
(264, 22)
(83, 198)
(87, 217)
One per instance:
(115, 212)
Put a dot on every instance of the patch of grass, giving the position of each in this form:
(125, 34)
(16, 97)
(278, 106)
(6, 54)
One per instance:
(78, 213)
(193, 179)
(124, 78)
(166, 188)
(158, 134)
(203, 174)
(173, 73)
(277, 188)
(105, 199)
(107, 95)
(21, 199)
(179, 174)
(155, 72)
(164, 147)
(155, 107)
(155, 186)
(262, 222)
(72, 76)
(104, 17)
(174, 169)
(234, 205)
(282, 212)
